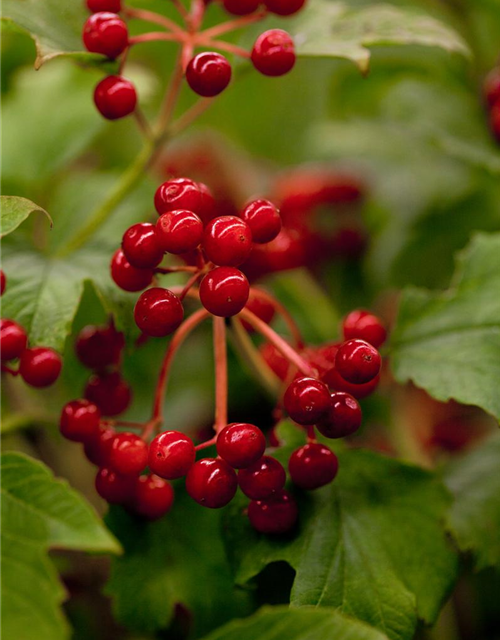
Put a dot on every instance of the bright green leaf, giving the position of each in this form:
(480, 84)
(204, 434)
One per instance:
(15, 210)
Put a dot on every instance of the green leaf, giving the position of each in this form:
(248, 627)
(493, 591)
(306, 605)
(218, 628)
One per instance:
(275, 623)
(474, 517)
(15, 210)
(449, 343)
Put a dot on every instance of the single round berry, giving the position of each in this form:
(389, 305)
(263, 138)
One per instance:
(343, 417)
(3, 282)
(13, 340)
(208, 74)
(259, 306)
(241, 7)
(126, 276)
(129, 454)
(40, 366)
(366, 326)
(262, 479)
(114, 6)
(110, 392)
(264, 220)
(275, 515)
(113, 487)
(179, 231)
(153, 498)
(337, 383)
(141, 246)
(158, 312)
(99, 346)
(227, 241)
(207, 211)
(115, 97)
(98, 448)
(178, 193)
(241, 444)
(80, 421)
(307, 400)
(492, 88)
(357, 361)
(224, 291)
(273, 53)
(171, 454)
(312, 466)
(211, 482)
(105, 33)
(284, 7)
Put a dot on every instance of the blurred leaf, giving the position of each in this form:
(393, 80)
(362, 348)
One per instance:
(14, 211)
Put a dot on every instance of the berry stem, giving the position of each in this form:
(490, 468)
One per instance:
(7, 369)
(311, 434)
(190, 115)
(196, 15)
(177, 269)
(171, 94)
(232, 25)
(207, 443)
(181, 9)
(220, 357)
(192, 280)
(151, 16)
(221, 45)
(283, 311)
(143, 124)
(154, 36)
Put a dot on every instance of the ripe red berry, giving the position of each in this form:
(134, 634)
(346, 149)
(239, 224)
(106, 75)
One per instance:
(115, 6)
(98, 448)
(284, 7)
(224, 291)
(241, 7)
(158, 312)
(99, 346)
(273, 53)
(343, 417)
(275, 515)
(179, 231)
(40, 366)
(495, 121)
(492, 88)
(312, 466)
(364, 326)
(80, 421)
(3, 282)
(260, 307)
(171, 454)
(129, 454)
(241, 444)
(105, 33)
(207, 209)
(13, 340)
(141, 247)
(208, 74)
(264, 220)
(227, 241)
(211, 482)
(153, 498)
(357, 361)
(307, 400)
(178, 193)
(337, 383)
(262, 479)
(126, 276)
(115, 97)
(110, 392)
(113, 487)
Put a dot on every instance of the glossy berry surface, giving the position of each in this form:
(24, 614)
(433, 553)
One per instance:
(241, 7)
(113, 487)
(153, 497)
(307, 400)
(115, 97)
(273, 53)
(171, 454)
(364, 326)
(114, 6)
(211, 482)
(99, 346)
(178, 193)
(3, 282)
(262, 479)
(129, 454)
(492, 88)
(208, 74)
(262, 308)
(207, 210)
(141, 247)
(128, 277)
(337, 383)
(98, 448)
(264, 220)
(110, 392)
(40, 366)
(179, 231)
(224, 291)
(158, 312)
(227, 241)
(275, 515)
(312, 466)
(80, 421)
(241, 444)
(105, 33)
(284, 7)
(13, 340)
(357, 361)
(343, 418)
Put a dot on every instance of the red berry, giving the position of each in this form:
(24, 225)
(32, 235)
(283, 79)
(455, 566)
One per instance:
(313, 466)
(208, 74)
(343, 417)
(3, 282)
(357, 361)
(495, 121)
(227, 241)
(260, 307)
(264, 220)
(105, 33)
(126, 276)
(153, 498)
(224, 291)
(179, 231)
(241, 7)
(113, 487)
(275, 360)
(207, 209)
(129, 454)
(40, 366)
(110, 392)
(98, 347)
(241, 444)
(115, 97)
(307, 400)
(284, 7)
(275, 515)
(98, 448)
(171, 454)
(141, 247)
(13, 340)
(179, 193)
(80, 421)
(492, 87)
(262, 479)
(115, 6)
(273, 53)
(365, 326)
(158, 312)
(336, 382)
(211, 482)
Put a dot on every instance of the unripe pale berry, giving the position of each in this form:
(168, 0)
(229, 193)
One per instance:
(211, 482)
(224, 291)
(241, 444)
(171, 454)
(105, 33)
(273, 53)
(40, 366)
(115, 97)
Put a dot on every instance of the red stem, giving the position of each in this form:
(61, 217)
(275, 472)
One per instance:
(232, 25)
(181, 9)
(222, 46)
(207, 443)
(192, 280)
(151, 16)
(283, 311)
(220, 356)
(7, 369)
(311, 434)
(177, 269)
(154, 36)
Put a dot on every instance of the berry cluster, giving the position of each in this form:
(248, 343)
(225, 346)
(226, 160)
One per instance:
(492, 100)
